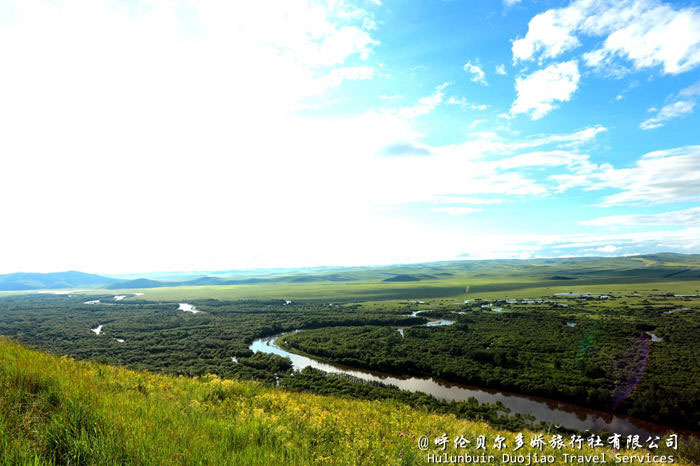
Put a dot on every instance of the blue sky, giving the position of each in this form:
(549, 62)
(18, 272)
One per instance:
(164, 135)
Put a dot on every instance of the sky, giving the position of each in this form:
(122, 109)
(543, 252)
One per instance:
(155, 135)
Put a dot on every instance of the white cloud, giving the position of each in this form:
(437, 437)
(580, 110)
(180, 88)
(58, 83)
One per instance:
(509, 3)
(538, 92)
(576, 138)
(457, 210)
(627, 243)
(684, 217)
(464, 103)
(658, 177)
(406, 148)
(543, 159)
(683, 104)
(501, 70)
(477, 74)
(424, 105)
(674, 110)
(467, 200)
(550, 33)
(558, 245)
(482, 143)
(647, 33)
(391, 97)
(336, 76)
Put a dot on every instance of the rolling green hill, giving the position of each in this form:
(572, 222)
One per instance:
(53, 281)
(500, 275)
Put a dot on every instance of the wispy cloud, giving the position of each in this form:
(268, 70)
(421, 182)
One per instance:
(467, 200)
(658, 177)
(477, 74)
(457, 210)
(391, 97)
(684, 217)
(576, 138)
(593, 244)
(425, 104)
(464, 103)
(401, 149)
(683, 104)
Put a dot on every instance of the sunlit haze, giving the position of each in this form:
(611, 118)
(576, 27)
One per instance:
(161, 135)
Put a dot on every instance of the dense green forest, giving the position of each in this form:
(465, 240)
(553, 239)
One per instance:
(159, 337)
(592, 351)
(603, 359)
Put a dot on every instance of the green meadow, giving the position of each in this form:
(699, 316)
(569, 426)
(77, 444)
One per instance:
(463, 279)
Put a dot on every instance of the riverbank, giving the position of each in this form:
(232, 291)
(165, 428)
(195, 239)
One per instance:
(544, 410)
(82, 412)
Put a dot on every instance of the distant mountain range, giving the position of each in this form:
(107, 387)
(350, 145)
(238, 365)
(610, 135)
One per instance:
(662, 266)
(53, 281)
(80, 280)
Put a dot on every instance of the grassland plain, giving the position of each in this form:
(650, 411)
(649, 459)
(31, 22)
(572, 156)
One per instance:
(59, 411)
(485, 279)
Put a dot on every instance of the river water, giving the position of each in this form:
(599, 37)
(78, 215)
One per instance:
(187, 308)
(558, 412)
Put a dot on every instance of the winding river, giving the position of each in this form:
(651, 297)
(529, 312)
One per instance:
(543, 409)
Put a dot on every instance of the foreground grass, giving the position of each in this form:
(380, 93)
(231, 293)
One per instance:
(60, 411)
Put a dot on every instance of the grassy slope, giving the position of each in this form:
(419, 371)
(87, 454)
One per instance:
(57, 410)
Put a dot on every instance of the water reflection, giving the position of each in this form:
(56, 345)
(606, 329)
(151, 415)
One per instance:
(558, 412)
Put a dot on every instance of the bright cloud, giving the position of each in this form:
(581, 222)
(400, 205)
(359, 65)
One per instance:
(543, 159)
(457, 210)
(647, 33)
(462, 102)
(477, 74)
(678, 217)
(556, 245)
(565, 140)
(682, 105)
(425, 104)
(249, 134)
(657, 177)
(538, 92)
(336, 76)
(466, 200)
